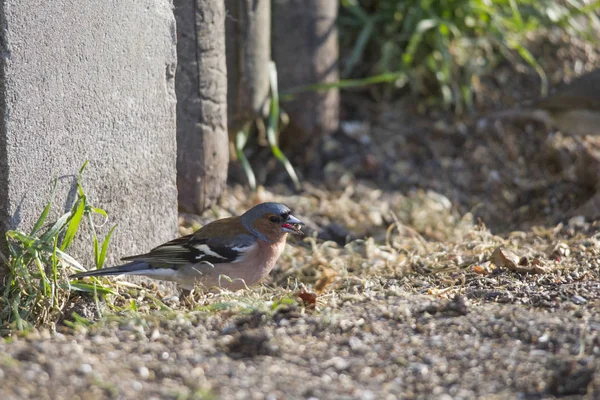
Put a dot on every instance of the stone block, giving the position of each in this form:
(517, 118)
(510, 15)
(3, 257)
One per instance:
(90, 80)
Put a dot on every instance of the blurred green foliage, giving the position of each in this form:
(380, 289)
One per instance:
(438, 46)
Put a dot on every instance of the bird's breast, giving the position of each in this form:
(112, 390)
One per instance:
(267, 255)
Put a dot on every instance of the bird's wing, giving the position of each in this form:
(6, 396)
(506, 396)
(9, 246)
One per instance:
(205, 245)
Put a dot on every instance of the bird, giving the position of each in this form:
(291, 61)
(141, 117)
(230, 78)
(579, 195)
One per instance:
(230, 253)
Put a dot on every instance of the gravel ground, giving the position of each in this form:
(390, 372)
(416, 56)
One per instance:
(382, 344)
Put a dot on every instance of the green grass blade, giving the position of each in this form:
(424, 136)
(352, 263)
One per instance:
(241, 138)
(40, 222)
(343, 84)
(88, 288)
(44, 282)
(102, 257)
(273, 126)
(79, 320)
(25, 240)
(359, 47)
(413, 44)
(99, 211)
(352, 7)
(69, 260)
(54, 266)
(79, 178)
(17, 315)
(162, 306)
(517, 18)
(530, 59)
(96, 252)
(74, 224)
(56, 228)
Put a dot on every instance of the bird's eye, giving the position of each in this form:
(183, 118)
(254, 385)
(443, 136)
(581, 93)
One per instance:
(274, 219)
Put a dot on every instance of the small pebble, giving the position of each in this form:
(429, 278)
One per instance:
(144, 372)
(85, 369)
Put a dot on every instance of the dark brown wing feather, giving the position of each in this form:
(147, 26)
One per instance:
(222, 241)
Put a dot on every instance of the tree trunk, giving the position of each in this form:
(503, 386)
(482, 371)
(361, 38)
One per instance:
(305, 49)
(201, 88)
(248, 32)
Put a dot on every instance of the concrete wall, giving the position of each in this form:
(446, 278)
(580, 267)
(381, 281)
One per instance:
(90, 80)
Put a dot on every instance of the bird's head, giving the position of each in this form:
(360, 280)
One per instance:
(271, 221)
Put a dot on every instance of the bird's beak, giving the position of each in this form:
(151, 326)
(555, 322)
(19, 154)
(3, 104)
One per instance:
(293, 225)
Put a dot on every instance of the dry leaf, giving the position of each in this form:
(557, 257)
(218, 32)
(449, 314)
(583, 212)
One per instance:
(326, 278)
(504, 258)
(478, 269)
(308, 299)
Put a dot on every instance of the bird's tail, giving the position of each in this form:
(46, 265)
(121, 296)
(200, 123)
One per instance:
(133, 268)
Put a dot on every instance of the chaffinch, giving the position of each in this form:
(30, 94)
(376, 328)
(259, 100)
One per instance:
(230, 253)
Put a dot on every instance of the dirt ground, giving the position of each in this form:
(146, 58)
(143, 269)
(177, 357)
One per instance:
(444, 259)
(381, 343)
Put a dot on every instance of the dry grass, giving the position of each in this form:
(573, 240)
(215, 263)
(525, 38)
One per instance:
(417, 244)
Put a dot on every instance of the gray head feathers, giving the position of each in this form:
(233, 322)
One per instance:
(259, 211)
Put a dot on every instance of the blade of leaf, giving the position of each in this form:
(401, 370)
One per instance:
(530, 59)
(73, 224)
(88, 288)
(343, 84)
(99, 211)
(44, 215)
(79, 179)
(102, 257)
(241, 138)
(273, 124)
(56, 228)
(69, 260)
(359, 47)
(96, 252)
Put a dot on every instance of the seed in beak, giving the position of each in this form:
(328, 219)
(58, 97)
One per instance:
(292, 228)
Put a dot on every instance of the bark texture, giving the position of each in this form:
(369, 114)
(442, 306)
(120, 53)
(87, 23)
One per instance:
(248, 31)
(305, 49)
(201, 87)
